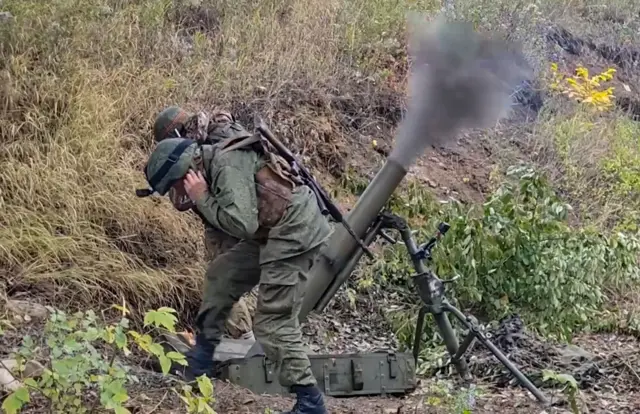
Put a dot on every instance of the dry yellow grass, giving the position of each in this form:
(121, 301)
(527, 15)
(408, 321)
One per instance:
(82, 82)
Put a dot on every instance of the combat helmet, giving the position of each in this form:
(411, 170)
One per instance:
(168, 121)
(169, 162)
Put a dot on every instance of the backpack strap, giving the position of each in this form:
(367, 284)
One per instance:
(235, 143)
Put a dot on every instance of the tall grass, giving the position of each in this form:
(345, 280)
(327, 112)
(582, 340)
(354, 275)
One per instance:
(82, 82)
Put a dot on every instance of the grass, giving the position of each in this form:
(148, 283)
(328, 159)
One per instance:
(83, 80)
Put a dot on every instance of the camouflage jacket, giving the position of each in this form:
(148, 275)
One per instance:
(207, 129)
(247, 200)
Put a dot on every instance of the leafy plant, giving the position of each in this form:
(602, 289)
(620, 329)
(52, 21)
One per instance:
(75, 365)
(520, 255)
(623, 162)
(442, 394)
(570, 387)
(584, 89)
(202, 403)
(516, 253)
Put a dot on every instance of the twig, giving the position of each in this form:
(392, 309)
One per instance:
(158, 405)
(631, 369)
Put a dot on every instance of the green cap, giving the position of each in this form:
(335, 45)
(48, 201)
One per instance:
(167, 121)
(169, 162)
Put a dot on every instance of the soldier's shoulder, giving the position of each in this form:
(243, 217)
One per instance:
(240, 158)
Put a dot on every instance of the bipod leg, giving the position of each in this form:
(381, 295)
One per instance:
(495, 351)
(451, 343)
(417, 338)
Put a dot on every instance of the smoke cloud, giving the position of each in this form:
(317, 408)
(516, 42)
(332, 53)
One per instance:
(459, 80)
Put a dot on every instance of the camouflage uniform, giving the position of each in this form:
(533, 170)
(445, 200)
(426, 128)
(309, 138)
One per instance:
(204, 129)
(281, 230)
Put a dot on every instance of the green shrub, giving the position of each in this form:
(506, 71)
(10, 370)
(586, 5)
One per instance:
(83, 356)
(516, 253)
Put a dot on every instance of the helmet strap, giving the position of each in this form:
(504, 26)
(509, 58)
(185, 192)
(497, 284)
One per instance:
(170, 161)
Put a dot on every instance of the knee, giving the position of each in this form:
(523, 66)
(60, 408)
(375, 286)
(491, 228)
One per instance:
(278, 301)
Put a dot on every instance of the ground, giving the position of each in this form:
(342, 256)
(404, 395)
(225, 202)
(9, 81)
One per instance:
(72, 237)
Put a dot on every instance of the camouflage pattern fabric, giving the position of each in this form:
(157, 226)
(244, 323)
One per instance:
(240, 320)
(209, 128)
(279, 264)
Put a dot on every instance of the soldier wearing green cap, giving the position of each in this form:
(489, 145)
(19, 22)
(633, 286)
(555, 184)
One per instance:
(175, 122)
(242, 188)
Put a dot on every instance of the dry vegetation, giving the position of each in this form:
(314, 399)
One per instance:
(82, 80)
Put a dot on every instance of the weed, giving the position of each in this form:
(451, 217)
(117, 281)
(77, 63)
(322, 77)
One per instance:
(462, 401)
(76, 367)
(570, 387)
(584, 89)
(199, 404)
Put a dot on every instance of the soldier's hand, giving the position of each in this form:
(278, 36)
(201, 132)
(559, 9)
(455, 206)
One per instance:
(195, 185)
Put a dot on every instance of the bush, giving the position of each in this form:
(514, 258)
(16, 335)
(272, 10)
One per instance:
(78, 366)
(518, 254)
(521, 256)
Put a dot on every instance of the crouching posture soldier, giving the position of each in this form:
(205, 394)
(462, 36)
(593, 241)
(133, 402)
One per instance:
(242, 188)
(206, 128)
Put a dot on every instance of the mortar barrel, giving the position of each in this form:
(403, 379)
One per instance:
(323, 282)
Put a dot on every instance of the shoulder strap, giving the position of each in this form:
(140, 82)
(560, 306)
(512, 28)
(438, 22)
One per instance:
(235, 143)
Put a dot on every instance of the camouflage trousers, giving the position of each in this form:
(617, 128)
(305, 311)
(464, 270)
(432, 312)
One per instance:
(240, 320)
(281, 287)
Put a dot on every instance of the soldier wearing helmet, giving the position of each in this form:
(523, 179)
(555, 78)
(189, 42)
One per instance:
(175, 122)
(244, 190)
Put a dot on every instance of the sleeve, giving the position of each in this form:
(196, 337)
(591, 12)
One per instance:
(231, 203)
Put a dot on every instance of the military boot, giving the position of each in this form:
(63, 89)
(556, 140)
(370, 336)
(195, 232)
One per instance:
(200, 359)
(308, 401)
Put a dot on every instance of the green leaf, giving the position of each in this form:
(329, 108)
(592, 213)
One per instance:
(161, 318)
(121, 410)
(120, 396)
(165, 364)
(16, 400)
(156, 349)
(121, 339)
(205, 386)
(30, 382)
(177, 357)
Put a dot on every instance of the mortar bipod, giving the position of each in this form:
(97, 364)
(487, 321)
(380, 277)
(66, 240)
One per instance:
(432, 293)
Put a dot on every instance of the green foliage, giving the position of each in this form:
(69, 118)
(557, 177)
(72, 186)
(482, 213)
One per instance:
(377, 25)
(570, 387)
(623, 162)
(76, 366)
(201, 403)
(516, 253)
(15, 401)
(599, 158)
(520, 255)
(457, 401)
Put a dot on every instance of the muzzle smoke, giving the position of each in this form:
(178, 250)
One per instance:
(459, 80)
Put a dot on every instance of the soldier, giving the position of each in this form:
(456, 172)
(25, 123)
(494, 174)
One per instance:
(240, 187)
(174, 121)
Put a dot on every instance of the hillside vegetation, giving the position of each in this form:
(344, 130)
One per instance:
(82, 83)
(543, 207)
